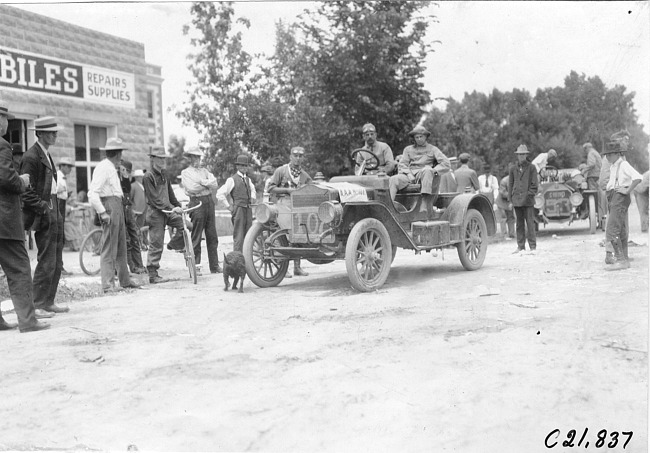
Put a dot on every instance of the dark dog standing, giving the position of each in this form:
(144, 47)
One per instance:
(234, 265)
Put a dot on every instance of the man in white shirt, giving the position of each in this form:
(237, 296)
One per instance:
(105, 196)
(242, 193)
(488, 184)
(41, 214)
(541, 161)
(198, 183)
(623, 178)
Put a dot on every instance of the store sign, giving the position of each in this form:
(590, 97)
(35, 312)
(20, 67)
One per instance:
(27, 71)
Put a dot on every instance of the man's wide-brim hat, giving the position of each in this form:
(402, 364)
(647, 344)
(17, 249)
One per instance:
(618, 143)
(522, 149)
(65, 161)
(242, 159)
(5, 112)
(113, 144)
(157, 151)
(46, 124)
(419, 130)
(194, 151)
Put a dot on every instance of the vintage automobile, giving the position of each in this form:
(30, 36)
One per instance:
(352, 218)
(563, 197)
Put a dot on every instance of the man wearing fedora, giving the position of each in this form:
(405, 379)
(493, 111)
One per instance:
(105, 196)
(623, 179)
(380, 149)
(14, 259)
(198, 183)
(466, 177)
(41, 214)
(133, 252)
(421, 163)
(160, 197)
(291, 175)
(522, 187)
(241, 191)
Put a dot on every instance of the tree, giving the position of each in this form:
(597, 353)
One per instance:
(176, 162)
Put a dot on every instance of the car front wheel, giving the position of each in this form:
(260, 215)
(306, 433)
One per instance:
(473, 241)
(368, 255)
(264, 266)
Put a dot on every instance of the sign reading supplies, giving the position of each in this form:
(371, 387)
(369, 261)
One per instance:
(26, 71)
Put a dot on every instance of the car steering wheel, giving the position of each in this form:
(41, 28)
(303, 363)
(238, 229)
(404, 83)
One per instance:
(369, 163)
(549, 172)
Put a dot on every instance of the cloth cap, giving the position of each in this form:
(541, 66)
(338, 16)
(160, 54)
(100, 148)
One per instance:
(46, 124)
(419, 130)
(157, 151)
(5, 112)
(587, 145)
(522, 149)
(464, 157)
(114, 144)
(65, 161)
(137, 173)
(127, 164)
(552, 152)
(194, 151)
(368, 127)
(618, 142)
(242, 159)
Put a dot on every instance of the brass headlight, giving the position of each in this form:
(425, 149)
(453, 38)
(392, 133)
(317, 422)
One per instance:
(539, 201)
(330, 212)
(266, 213)
(576, 199)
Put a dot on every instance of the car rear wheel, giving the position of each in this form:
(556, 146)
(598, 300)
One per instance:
(264, 267)
(473, 242)
(593, 220)
(368, 255)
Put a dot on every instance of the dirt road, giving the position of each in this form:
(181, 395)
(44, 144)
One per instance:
(439, 359)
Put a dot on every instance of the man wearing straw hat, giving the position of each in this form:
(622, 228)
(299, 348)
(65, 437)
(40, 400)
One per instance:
(14, 259)
(41, 214)
(522, 188)
(160, 197)
(198, 183)
(105, 196)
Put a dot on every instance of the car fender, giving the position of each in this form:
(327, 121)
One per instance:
(460, 204)
(363, 210)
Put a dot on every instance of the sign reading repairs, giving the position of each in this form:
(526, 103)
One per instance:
(26, 71)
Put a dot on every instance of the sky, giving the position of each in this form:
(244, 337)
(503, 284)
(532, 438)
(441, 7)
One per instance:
(483, 45)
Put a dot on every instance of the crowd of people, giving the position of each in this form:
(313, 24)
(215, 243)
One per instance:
(35, 198)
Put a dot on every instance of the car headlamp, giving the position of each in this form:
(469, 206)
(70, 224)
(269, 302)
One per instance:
(330, 212)
(539, 201)
(266, 213)
(576, 199)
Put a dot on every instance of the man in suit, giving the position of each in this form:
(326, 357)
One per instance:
(292, 175)
(242, 193)
(13, 254)
(41, 214)
(522, 188)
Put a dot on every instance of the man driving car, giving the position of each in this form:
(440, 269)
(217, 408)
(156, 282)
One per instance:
(380, 149)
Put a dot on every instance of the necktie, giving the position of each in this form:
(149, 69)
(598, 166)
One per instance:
(486, 181)
(54, 175)
(248, 193)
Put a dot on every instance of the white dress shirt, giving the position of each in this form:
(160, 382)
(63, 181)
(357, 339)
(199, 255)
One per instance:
(198, 181)
(492, 185)
(621, 174)
(105, 183)
(230, 184)
(49, 158)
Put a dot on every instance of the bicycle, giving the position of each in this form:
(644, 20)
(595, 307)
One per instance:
(91, 250)
(188, 252)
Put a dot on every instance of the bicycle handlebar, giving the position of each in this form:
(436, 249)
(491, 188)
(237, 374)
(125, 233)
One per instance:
(186, 210)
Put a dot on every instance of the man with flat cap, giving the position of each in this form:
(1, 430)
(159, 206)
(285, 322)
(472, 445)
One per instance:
(198, 183)
(41, 214)
(466, 178)
(242, 193)
(380, 149)
(522, 186)
(14, 259)
(105, 196)
(623, 179)
(161, 197)
(421, 163)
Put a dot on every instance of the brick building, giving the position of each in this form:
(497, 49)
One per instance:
(96, 84)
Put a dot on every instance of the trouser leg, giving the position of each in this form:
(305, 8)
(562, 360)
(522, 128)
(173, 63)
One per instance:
(510, 220)
(242, 221)
(530, 227)
(198, 217)
(15, 264)
(176, 222)
(134, 257)
(520, 216)
(156, 222)
(212, 238)
(49, 242)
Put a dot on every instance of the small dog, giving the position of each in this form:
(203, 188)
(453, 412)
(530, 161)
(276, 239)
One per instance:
(234, 265)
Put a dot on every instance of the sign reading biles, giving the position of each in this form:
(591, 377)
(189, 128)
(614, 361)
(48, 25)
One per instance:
(28, 71)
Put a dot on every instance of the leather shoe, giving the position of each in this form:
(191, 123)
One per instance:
(156, 279)
(54, 308)
(132, 285)
(40, 313)
(4, 325)
(216, 270)
(64, 272)
(37, 326)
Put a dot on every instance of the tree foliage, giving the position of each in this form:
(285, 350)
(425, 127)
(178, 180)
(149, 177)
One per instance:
(176, 162)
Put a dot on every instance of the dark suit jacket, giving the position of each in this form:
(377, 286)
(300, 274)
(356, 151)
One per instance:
(37, 197)
(11, 186)
(522, 184)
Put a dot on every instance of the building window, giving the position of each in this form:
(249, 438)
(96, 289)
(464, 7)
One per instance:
(149, 104)
(87, 140)
(17, 134)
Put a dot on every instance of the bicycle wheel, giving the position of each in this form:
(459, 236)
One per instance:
(189, 256)
(90, 252)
